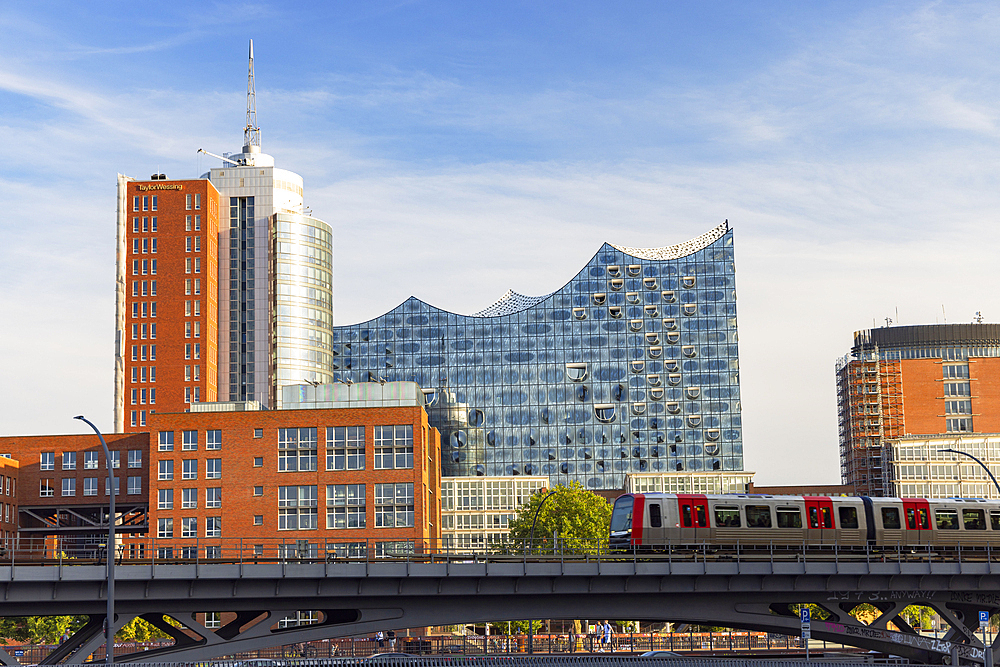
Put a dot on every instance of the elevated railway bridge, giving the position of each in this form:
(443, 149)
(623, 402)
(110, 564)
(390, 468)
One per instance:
(740, 587)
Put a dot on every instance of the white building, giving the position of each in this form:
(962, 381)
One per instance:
(478, 510)
(917, 468)
(689, 482)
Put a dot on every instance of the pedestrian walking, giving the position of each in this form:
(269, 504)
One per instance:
(380, 636)
(392, 639)
(607, 636)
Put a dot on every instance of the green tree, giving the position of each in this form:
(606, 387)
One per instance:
(40, 629)
(573, 520)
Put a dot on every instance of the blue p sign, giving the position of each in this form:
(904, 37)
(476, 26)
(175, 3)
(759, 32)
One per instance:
(804, 615)
(984, 618)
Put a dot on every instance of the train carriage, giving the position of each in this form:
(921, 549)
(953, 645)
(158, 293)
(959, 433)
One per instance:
(655, 521)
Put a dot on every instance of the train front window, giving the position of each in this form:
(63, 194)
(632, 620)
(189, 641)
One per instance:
(848, 517)
(973, 520)
(890, 518)
(789, 517)
(946, 519)
(758, 516)
(621, 515)
(727, 517)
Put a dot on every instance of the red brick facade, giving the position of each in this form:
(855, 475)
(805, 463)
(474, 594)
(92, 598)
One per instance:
(171, 297)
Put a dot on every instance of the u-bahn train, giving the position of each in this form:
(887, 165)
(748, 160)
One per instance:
(654, 521)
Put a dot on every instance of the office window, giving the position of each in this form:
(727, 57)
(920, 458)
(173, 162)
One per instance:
(134, 486)
(187, 223)
(145, 266)
(135, 204)
(107, 486)
(197, 202)
(190, 440)
(187, 202)
(197, 264)
(394, 505)
(48, 461)
(213, 439)
(197, 223)
(165, 499)
(187, 244)
(189, 526)
(197, 329)
(69, 486)
(165, 528)
(213, 526)
(958, 425)
(187, 351)
(296, 449)
(90, 460)
(345, 506)
(187, 329)
(197, 350)
(197, 286)
(258, 433)
(152, 245)
(258, 520)
(189, 499)
(393, 447)
(345, 448)
(258, 462)
(69, 461)
(135, 288)
(135, 332)
(116, 460)
(189, 469)
(152, 225)
(145, 246)
(958, 407)
(258, 490)
(213, 497)
(197, 309)
(166, 441)
(90, 486)
(213, 468)
(197, 244)
(296, 507)
(135, 246)
(152, 394)
(135, 458)
(187, 265)
(187, 287)
(187, 394)
(165, 470)
(155, 199)
(145, 203)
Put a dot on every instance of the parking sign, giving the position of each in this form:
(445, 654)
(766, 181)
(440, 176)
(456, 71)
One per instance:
(804, 615)
(984, 619)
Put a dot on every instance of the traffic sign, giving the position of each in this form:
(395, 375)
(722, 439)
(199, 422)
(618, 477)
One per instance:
(984, 619)
(804, 615)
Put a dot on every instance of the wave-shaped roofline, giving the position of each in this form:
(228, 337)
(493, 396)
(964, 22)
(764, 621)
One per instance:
(520, 302)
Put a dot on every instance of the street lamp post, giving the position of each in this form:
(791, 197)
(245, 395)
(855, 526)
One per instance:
(109, 630)
(985, 467)
(531, 541)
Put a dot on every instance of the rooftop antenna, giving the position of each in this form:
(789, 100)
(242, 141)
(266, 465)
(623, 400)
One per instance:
(251, 133)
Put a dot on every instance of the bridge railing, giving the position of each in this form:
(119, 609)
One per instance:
(326, 549)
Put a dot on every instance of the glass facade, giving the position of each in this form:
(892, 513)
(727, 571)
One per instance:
(630, 367)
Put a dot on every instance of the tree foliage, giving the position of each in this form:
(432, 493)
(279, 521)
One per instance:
(50, 629)
(572, 520)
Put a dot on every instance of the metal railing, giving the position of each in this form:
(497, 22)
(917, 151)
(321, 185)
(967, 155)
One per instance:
(315, 549)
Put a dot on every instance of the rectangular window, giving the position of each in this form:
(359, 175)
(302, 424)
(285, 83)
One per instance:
(90, 460)
(213, 526)
(69, 461)
(165, 499)
(190, 439)
(189, 526)
(48, 461)
(152, 267)
(69, 486)
(197, 350)
(197, 264)
(187, 223)
(135, 204)
(345, 448)
(958, 407)
(345, 506)
(957, 389)
(134, 486)
(197, 308)
(145, 203)
(197, 202)
(297, 507)
(258, 490)
(187, 244)
(393, 447)
(187, 202)
(213, 439)
(189, 499)
(187, 265)
(155, 199)
(145, 266)
(107, 486)
(152, 245)
(116, 460)
(90, 486)
(213, 468)
(166, 441)
(394, 505)
(187, 350)
(197, 329)
(165, 528)
(189, 469)
(197, 223)
(187, 287)
(258, 462)
(958, 425)
(135, 458)
(213, 497)
(165, 470)
(152, 225)
(197, 286)
(957, 371)
(296, 449)
(197, 244)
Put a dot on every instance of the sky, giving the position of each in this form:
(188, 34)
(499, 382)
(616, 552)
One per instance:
(460, 149)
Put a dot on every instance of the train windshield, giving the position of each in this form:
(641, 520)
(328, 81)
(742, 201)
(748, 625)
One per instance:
(621, 516)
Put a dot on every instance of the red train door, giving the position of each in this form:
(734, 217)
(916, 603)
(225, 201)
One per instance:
(916, 521)
(692, 517)
(819, 520)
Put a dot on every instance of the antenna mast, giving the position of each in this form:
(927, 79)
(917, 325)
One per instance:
(251, 134)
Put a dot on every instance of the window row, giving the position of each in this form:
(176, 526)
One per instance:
(143, 309)
(149, 203)
(187, 265)
(91, 460)
(46, 486)
(143, 353)
(189, 528)
(345, 448)
(192, 326)
(148, 225)
(190, 440)
(139, 374)
(189, 498)
(147, 246)
(192, 308)
(139, 396)
(139, 331)
(191, 351)
(346, 507)
(188, 284)
(197, 202)
(147, 267)
(189, 469)
(187, 223)
(192, 244)
(148, 288)
(192, 394)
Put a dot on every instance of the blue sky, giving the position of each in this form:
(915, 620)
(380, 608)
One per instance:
(463, 148)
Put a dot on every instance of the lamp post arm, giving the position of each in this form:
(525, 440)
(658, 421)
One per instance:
(985, 467)
(110, 550)
(531, 538)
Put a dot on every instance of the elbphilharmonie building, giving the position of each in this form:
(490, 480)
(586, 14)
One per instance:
(632, 366)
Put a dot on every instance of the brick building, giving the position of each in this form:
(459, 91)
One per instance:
(166, 297)
(939, 379)
(57, 486)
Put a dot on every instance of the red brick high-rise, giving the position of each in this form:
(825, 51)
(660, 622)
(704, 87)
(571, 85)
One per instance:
(167, 298)
(913, 380)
